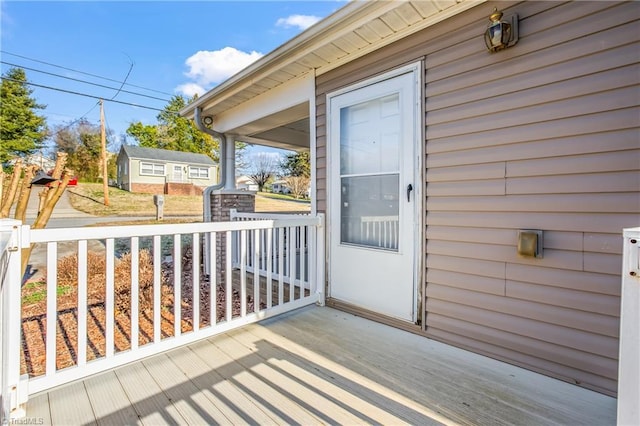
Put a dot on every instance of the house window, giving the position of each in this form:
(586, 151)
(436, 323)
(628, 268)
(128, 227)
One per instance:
(152, 169)
(198, 172)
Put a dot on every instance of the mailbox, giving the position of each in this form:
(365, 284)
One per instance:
(158, 200)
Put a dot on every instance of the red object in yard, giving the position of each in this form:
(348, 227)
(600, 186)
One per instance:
(72, 182)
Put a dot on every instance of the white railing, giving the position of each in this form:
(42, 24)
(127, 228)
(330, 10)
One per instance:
(159, 309)
(291, 246)
(381, 231)
(372, 231)
(12, 387)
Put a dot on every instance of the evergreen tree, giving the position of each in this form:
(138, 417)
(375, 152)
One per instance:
(296, 164)
(22, 130)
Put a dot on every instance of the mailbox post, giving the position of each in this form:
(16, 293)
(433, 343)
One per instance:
(158, 200)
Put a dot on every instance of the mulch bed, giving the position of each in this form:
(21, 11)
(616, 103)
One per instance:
(33, 354)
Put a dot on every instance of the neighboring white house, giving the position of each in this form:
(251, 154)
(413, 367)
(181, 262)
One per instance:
(280, 187)
(160, 171)
(246, 183)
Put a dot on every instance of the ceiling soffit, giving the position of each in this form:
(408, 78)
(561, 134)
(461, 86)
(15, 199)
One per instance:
(353, 31)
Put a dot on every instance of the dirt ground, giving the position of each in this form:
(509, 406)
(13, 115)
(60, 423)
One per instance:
(34, 319)
(34, 299)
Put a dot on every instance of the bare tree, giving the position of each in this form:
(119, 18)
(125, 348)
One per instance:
(262, 168)
(299, 185)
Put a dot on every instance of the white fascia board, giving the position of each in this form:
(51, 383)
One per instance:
(289, 94)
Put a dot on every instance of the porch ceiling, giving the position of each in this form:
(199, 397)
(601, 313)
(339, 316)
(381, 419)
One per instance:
(353, 31)
(286, 129)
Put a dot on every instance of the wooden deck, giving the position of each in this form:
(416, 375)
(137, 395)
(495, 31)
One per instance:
(320, 366)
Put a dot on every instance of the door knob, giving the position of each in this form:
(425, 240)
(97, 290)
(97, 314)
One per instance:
(409, 189)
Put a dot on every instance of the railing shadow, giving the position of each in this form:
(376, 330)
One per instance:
(272, 384)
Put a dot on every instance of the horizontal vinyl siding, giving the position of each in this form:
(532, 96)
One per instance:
(541, 136)
(544, 135)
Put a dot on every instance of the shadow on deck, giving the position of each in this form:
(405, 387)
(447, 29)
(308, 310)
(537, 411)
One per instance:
(319, 365)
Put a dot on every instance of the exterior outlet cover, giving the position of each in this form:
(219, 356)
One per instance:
(530, 243)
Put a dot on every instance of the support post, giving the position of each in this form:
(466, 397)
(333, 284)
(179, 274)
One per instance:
(13, 388)
(222, 202)
(230, 159)
(628, 364)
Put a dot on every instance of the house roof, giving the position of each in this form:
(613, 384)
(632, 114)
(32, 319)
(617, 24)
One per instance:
(353, 31)
(166, 155)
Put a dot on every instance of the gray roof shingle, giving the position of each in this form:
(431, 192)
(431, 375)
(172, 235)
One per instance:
(166, 155)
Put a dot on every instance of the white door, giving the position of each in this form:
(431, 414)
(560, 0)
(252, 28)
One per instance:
(372, 211)
(177, 173)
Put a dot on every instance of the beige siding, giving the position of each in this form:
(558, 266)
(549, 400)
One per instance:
(544, 135)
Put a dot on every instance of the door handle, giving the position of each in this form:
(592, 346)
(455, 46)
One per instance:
(409, 189)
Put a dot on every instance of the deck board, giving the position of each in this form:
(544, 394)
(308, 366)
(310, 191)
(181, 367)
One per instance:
(321, 366)
(215, 388)
(285, 382)
(151, 404)
(108, 400)
(306, 378)
(38, 408)
(194, 407)
(71, 406)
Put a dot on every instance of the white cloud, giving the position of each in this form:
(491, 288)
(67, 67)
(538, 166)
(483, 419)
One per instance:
(302, 22)
(190, 89)
(207, 67)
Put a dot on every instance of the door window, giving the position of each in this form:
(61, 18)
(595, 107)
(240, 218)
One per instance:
(370, 173)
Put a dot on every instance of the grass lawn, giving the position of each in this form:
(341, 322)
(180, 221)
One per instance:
(88, 197)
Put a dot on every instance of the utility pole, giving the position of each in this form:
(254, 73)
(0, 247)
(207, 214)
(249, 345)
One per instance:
(103, 140)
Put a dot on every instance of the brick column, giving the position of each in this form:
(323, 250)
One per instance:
(221, 204)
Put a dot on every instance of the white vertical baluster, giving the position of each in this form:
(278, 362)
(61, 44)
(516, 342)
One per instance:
(109, 297)
(196, 281)
(291, 255)
(52, 311)
(303, 258)
(269, 264)
(228, 277)
(243, 273)
(280, 254)
(213, 279)
(135, 290)
(157, 287)
(256, 269)
(82, 302)
(177, 285)
(314, 261)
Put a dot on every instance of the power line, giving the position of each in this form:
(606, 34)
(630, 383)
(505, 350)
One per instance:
(88, 82)
(83, 116)
(125, 79)
(83, 94)
(82, 72)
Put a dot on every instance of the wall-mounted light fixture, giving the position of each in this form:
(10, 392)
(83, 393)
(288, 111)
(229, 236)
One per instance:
(530, 242)
(207, 120)
(501, 33)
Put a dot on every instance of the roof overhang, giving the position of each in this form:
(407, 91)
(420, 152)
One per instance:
(358, 28)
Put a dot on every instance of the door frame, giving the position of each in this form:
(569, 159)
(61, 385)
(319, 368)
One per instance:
(419, 214)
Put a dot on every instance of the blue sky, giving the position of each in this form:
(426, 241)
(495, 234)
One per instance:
(167, 47)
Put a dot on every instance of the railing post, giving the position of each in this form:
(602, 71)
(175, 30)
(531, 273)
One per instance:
(628, 367)
(320, 259)
(13, 391)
